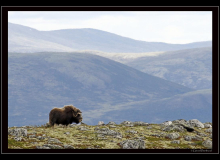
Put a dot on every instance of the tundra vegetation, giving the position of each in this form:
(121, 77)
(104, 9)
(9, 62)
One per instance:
(126, 135)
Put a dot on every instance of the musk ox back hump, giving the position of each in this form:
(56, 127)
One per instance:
(65, 115)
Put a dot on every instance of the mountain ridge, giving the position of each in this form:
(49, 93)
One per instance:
(26, 39)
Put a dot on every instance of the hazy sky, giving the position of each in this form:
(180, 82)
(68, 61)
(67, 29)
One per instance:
(152, 26)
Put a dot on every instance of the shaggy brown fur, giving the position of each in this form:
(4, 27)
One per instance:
(66, 115)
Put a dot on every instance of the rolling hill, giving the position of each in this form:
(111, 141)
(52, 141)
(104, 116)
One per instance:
(25, 39)
(37, 82)
(190, 105)
(191, 67)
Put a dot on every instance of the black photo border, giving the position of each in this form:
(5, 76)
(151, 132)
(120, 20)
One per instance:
(4, 78)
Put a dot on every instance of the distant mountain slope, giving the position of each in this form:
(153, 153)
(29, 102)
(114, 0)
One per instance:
(38, 82)
(26, 39)
(191, 105)
(191, 67)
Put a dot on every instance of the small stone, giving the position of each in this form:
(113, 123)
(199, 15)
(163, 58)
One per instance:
(40, 137)
(119, 136)
(133, 144)
(209, 130)
(127, 123)
(202, 134)
(172, 135)
(179, 121)
(53, 146)
(17, 138)
(139, 123)
(197, 138)
(17, 132)
(195, 123)
(54, 140)
(108, 132)
(173, 127)
(207, 143)
(42, 147)
(68, 147)
(131, 131)
(206, 125)
(175, 142)
(167, 123)
(72, 125)
(82, 128)
(67, 133)
(32, 136)
(188, 138)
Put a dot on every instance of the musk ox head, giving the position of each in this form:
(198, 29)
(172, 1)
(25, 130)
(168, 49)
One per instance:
(66, 115)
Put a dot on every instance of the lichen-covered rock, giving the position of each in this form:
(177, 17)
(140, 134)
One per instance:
(54, 140)
(17, 138)
(173, 127)
(197, 138)
(52, 146)
(207, 125)
(175, 142)
(139, 123)
(127, 123)
(133, 144)
(188, 138)
(179, 121)
(131, 131)
(32, 136)
(72, 125)
(18, 132)
(172, 135)
(108, 132)
(209, 130)
(42, 147)
(194, 138)
(202, 134)
(68, 147)
(166, 123)
(195, 123)
(207, 143)
(83, 128)
(40, 137)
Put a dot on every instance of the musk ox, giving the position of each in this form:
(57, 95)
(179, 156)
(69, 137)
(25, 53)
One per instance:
(65, 115)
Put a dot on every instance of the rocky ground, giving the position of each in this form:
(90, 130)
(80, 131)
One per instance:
(178, 134)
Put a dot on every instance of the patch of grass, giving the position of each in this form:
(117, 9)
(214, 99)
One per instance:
(199, 143)
(153, 138)
(13, 144)
(90, 139)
